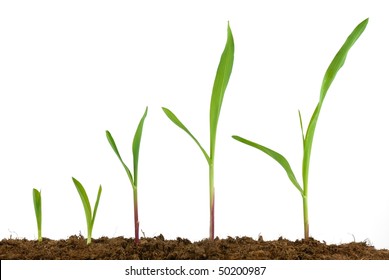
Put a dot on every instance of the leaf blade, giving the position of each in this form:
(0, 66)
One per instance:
(328, 78)
(115, 149)
(276, 156)
(222, 78)
(340, 58)
(308, 145)
(136, 145)
(96, 206)
(177, 122)
(37, 203)
(85, 201)
(302, 129)
(36, 196)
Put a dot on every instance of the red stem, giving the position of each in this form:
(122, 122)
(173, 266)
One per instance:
(212, 218)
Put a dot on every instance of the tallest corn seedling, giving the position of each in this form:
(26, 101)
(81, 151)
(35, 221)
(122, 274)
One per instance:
(219, 87)
(329, 76)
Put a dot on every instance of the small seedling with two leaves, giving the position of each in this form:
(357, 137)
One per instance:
(307, 138)
(90, 217)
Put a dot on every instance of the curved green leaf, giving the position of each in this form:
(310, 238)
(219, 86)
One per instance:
(340, 58)
(177, 122)
(329, 76)
(308, 145)
(219, 87)
(96, 206)
(85, 202)
(276, 156)
(136, 145)
(115, 149)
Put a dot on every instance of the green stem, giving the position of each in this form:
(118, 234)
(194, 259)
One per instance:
(306, 222)
(39, 235)
(136, 221)
(211, 201)
(89, 240)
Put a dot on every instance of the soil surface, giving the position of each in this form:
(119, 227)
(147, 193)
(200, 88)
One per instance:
(157, 248)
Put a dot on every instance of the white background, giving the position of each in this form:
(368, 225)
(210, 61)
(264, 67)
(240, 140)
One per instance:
(69, 70)
(116, 269)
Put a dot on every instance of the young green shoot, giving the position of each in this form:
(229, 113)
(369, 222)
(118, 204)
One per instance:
(307, 138)
(90, 217)
(36, 197)
(133, 179)
(219, 87)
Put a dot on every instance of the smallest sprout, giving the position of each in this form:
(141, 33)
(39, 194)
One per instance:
(90, 218)
(36, 197)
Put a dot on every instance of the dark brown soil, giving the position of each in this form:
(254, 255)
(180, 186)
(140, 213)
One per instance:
(157, 248)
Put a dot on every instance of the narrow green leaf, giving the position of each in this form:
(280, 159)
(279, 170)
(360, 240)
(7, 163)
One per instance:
(219, 87)
(329, 76)
(177, 122)
(36, 195)
(96, 206)
(308, 145)
(276, 156)
(115, 149)
(136, 145)
(85, 202)
(302, 129)
(37, 204)
(340, 58)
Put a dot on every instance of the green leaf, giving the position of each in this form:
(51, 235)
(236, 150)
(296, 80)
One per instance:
(302, 129)
(85, 202)
(308, 145)
(276, 156)
(329, 76)
(96, 206)
(136, 145)
(177, 122)
(340, 58)
(36, 196)
(115, 149)
(219, 87)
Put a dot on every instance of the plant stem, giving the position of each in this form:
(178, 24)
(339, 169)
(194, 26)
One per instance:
(306, 222)
(39, 235)
(89, 238)
(136, 221)
(211, 201)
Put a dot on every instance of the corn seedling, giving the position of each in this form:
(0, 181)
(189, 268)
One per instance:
(36, 197)
(133, 179)
(219, 87)
(90, 217)
(307, 139)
